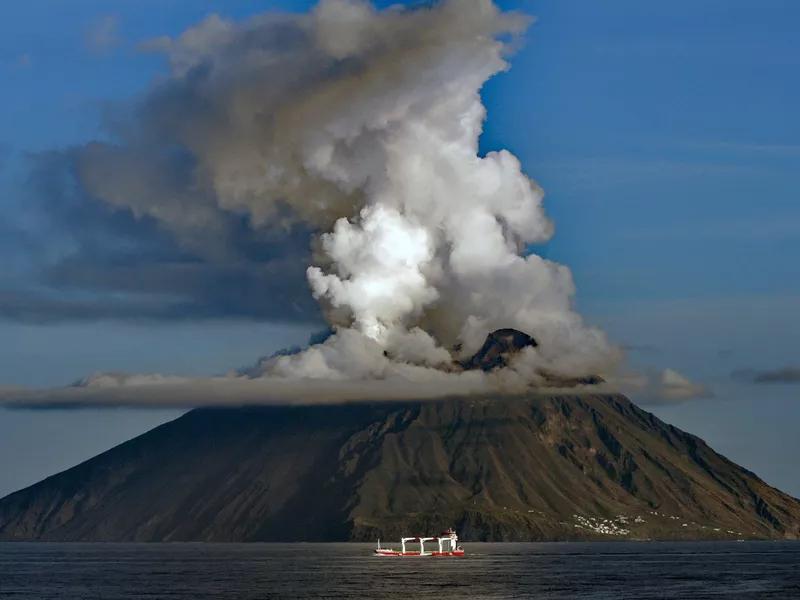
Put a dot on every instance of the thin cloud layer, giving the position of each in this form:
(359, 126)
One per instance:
(664, 387)
(152, 391)
(388, 381)
(787, 375)
(159, 391)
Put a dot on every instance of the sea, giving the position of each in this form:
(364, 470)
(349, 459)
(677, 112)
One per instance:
(545, 571)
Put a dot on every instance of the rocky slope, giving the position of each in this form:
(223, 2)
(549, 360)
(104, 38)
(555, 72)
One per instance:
(532, 468)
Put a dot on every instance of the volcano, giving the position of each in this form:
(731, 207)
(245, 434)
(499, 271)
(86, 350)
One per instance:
(538, 467)
(502, 345)
(498, 349)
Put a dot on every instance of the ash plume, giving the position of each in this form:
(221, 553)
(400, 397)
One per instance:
(361, 127)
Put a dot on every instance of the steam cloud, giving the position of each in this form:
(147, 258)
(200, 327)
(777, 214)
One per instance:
(361, 126)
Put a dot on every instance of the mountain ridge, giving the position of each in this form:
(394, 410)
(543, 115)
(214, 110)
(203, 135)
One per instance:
(537, 467)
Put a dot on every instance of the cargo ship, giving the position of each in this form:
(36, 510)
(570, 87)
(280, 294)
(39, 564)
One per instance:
(445, 544)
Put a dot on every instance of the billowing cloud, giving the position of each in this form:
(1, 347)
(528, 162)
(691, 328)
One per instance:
(354, 131)
(363, 125)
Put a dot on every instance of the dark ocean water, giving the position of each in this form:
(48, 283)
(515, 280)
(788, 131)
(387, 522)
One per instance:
(543, 571)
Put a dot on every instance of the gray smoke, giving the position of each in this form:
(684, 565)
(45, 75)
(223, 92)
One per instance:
(361, 126)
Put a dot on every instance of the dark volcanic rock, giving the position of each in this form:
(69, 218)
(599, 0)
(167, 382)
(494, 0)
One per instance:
(533, 468)
(503, 344)
(499, 347)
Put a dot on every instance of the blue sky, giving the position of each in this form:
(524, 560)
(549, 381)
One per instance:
(666, 137)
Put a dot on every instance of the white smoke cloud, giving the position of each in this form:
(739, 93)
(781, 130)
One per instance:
(379, 266)
(663, 387)
(363, 125)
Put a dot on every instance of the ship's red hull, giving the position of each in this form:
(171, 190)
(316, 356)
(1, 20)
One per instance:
(387, 552)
